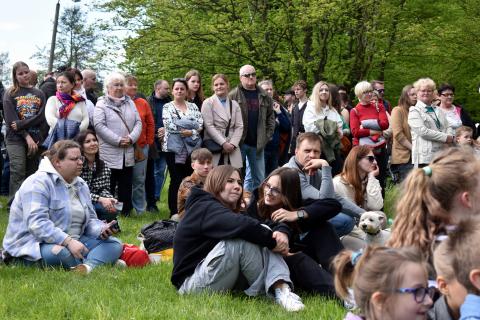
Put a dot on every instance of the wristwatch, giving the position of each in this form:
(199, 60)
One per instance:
(301, 214)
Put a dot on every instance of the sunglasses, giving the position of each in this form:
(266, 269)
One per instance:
(419, 294)
(179, 80)
(249, 75)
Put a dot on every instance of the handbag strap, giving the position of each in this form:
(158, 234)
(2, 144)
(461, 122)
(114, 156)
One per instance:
(229, 120)
(123, 120)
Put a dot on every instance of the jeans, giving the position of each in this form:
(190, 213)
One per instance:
(230, 261)
(256, 162)
(138, 183)
(343, 224)
(100, 252)
(160, 168)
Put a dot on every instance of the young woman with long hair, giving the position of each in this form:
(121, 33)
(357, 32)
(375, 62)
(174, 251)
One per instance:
(195, 91)
(24, 111)
(217, 249)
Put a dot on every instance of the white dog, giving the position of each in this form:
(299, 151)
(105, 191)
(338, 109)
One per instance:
(372, 223)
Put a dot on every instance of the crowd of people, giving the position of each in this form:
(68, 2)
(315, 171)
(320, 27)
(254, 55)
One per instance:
(268, 189)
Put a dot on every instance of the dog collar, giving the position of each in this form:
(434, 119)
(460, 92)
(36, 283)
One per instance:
(373, 234)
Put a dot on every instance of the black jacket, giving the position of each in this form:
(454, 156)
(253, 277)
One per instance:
(48, 87)
(319, 211)
(205, 224)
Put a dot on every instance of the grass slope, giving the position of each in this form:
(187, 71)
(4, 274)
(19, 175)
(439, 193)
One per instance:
(113, 293)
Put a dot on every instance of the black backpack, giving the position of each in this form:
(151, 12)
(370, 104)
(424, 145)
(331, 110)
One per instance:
(158, 235)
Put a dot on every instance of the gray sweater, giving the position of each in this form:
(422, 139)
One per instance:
(320, 186)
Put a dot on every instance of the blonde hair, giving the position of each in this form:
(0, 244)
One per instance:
(378, 269)
(462, 245)
(424, 82)
(315, 96)
(463, 129)
(443, 262)
(362, 87)
(423, 208)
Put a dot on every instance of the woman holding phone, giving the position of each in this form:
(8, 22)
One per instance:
(52, 221)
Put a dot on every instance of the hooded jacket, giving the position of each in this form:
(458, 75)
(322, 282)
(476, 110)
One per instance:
(40, 213)
(207, 222)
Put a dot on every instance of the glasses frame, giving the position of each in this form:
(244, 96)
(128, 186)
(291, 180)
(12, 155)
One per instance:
(419, 293)
(272, 190)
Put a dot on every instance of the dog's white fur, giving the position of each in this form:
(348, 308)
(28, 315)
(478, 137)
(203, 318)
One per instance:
(372, 223)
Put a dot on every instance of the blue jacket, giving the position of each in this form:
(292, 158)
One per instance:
(282, 124)
(40, 213)
(157, 109)
(470, 309)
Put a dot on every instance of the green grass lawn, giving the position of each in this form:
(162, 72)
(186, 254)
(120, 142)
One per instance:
(114, 293)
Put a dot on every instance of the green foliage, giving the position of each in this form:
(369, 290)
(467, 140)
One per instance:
(342, 41)
(77, 44)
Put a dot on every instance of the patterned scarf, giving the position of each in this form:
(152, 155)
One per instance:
(68, 103)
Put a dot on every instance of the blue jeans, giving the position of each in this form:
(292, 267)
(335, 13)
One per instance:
(139, 201)
(343, 224)
(100, 252)
(256, 162)
(160, 168)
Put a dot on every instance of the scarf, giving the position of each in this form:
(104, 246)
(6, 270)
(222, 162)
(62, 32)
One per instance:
(68, 103)
(117, 102)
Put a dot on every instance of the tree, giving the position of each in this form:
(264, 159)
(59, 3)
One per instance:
(5, 76)
(78, 43)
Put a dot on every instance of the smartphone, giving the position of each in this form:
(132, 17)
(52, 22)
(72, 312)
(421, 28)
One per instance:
(115, 227)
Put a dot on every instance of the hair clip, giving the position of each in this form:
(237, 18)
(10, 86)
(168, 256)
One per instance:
(427, 170)
(356, 256)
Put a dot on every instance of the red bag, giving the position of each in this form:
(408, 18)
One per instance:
(134, 256)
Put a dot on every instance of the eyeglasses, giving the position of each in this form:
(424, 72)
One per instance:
(371, 159)
(272, 190)
(448, 95)
(81, 158)
(179, 80)
(249, 75)
(419, 294)
(380, 90)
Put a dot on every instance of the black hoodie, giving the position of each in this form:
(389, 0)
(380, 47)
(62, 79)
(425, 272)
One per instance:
(207, 222)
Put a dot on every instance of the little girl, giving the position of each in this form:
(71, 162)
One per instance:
(387, 283)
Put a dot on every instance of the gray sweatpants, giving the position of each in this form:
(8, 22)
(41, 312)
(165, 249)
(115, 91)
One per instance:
(233, 260)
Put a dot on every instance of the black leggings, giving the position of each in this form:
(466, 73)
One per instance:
(177, 171)
(122, 178)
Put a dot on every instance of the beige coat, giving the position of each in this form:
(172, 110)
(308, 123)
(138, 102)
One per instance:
(401, 136)
(215, 121)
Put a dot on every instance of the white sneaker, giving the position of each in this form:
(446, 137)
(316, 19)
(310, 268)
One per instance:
(82, 269)
(120, 263)
(287, 299)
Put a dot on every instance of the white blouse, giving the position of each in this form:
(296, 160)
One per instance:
(311, 115)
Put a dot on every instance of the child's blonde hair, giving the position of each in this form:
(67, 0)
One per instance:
(462, 245)
(377, 269)
(463, 129)
(423, 208)
(443, 262)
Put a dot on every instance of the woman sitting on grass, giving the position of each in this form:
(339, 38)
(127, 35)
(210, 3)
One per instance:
(218, 249)
(97, 176)
(52, 221)
(312, 239)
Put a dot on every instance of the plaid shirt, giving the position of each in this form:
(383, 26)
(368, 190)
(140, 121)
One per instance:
(99, 185)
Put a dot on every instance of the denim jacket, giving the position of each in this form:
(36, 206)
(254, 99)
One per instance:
(40, 213)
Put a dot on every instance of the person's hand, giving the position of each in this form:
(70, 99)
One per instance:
(276, 107)
(186, 133)
(375, 172)
(228, 147)
(14, 126)
(77, 249)
(312, 165)
(282, 243)
(161, 133)
(125, 141)
(282, 215)
(108, 203)
(450, 139)
(32, 146)
(107, 230)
